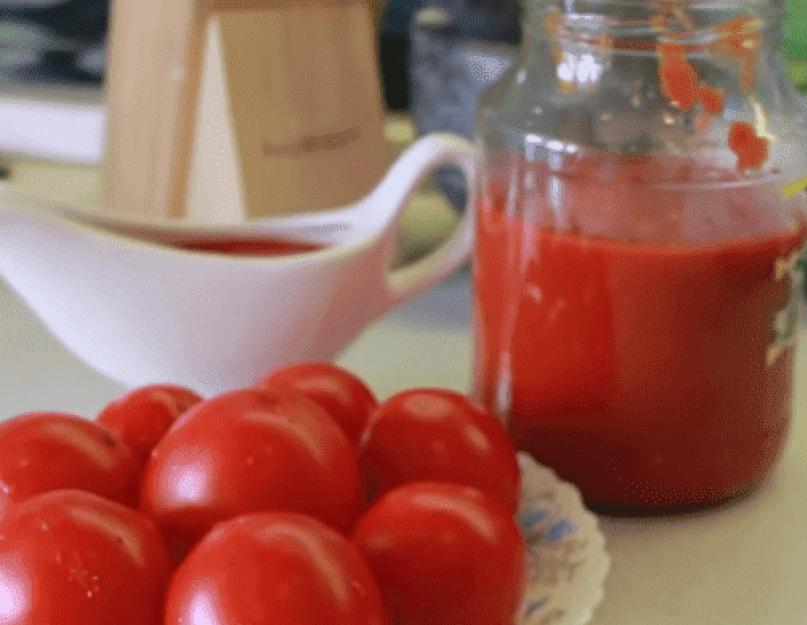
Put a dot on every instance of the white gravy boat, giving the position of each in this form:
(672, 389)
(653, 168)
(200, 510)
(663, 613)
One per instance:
(140, 311)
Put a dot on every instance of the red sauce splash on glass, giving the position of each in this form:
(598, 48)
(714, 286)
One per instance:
(751, 149)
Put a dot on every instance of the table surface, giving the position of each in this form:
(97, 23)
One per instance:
(743, 564)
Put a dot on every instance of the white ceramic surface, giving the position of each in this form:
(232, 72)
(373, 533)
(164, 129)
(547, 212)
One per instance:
(568, 562)
(140, 312)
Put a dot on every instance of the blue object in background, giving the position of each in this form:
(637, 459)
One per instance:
(459, 49)
(487, 20)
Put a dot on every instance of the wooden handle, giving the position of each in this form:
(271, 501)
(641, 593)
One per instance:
(152, 82)
(303, 128)
(227, 109)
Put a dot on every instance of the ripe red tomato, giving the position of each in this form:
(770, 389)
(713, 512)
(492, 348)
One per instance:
(250, 451)
(141, 417)
(41, 452)
(278, 568)
(438, 435)
(344, 396)
(444, 554)
(73, 558)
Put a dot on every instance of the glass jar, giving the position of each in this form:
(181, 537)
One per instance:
(637, 267)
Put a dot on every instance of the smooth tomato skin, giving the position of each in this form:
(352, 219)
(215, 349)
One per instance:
(140, 418)
(41, 452)
(278, 568)
(250, 451)
(438, 435)
(343, 395)
(444, 554)
(73, 558)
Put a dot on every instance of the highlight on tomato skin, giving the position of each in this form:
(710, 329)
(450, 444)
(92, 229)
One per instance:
(47, 451)
(70, 557)
(140, 418)
(444, 554)
(250, 451)
(341, 394)
(436, 434)
(278, 568)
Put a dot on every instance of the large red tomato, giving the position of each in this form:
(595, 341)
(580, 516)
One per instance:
(439, 435)
(278, 568)
(344, 396)
(41, 452)
(141, 417)
(444, 554)
(250, 451)
(73, 558)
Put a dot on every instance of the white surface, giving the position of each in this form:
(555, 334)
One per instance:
(65, 123)
(743, 564)
(142, 313)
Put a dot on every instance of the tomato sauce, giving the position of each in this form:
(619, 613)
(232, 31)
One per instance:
(249, 247)
(640, 362)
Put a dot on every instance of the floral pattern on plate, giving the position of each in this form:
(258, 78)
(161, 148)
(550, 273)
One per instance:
(568, 562)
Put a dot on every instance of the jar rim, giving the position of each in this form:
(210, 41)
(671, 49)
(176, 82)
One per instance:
(692, 23)
(654, 5)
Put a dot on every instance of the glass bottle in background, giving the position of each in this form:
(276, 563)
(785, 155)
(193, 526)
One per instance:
(637, 264)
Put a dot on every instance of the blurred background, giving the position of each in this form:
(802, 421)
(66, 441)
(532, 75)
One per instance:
(62, 41)
(435, 56)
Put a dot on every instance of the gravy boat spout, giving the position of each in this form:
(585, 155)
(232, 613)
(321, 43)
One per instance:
(142, 312)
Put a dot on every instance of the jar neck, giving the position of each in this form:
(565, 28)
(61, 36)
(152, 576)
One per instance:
(634, 26)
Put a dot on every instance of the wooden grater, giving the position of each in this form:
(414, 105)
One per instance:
(222, 110)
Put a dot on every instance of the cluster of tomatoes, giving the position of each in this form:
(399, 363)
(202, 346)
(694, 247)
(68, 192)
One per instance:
(300, 501)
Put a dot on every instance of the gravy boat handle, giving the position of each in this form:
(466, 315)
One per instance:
(412, 169)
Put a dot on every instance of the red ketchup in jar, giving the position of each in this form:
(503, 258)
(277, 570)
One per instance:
(647, 372)
(638, 268)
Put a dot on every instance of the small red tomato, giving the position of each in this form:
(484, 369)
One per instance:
(73, 558)
(250, 451)
(343, 396)
(278, 568)
(141, 417)
(444, 554)
(41, 452)
(428, 434)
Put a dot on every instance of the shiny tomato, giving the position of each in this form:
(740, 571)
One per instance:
(250, 451)
(73, 558)
(41, 452)
(438, 435)
(141, 417)
(278, 568)
(344, 396)
(444, 554)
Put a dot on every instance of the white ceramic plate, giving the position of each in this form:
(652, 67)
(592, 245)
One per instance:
(568, 561)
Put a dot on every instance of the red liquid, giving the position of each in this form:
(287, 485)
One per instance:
(249, 247)
(637, 370)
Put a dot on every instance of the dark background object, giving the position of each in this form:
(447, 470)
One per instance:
(484, 20)
(394, 51)
(52, 40)
(459, 49)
